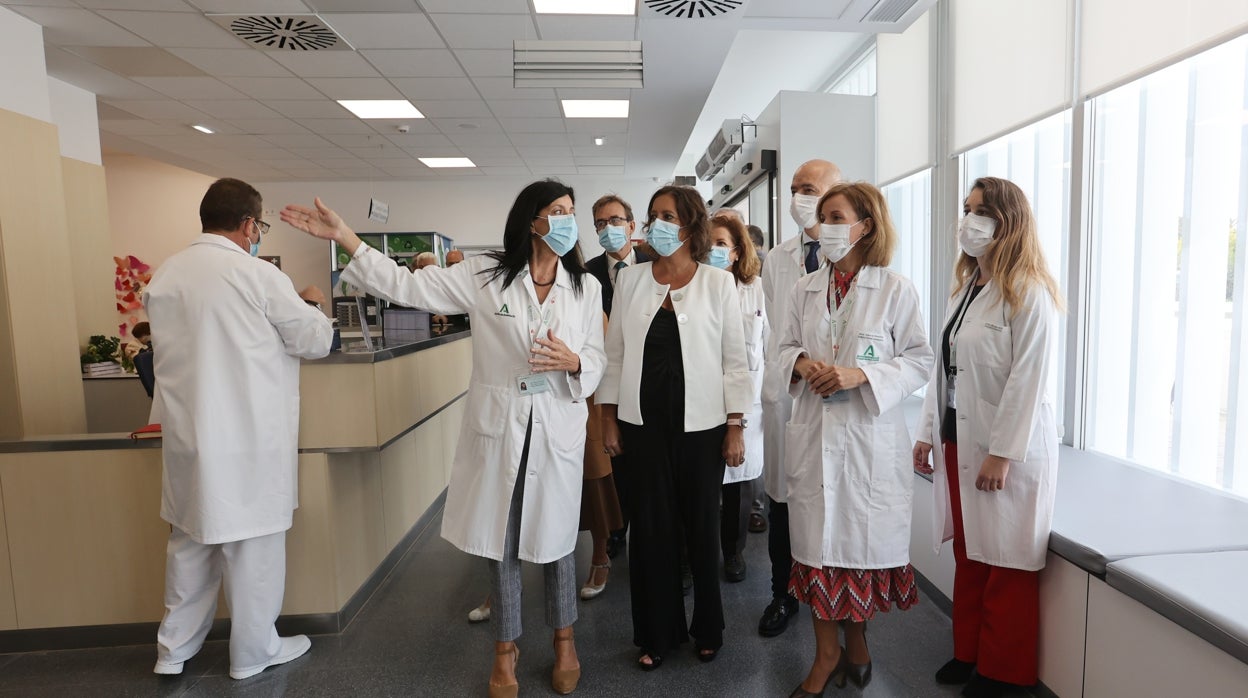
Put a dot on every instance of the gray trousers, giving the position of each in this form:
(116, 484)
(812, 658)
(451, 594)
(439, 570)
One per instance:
(505, 574)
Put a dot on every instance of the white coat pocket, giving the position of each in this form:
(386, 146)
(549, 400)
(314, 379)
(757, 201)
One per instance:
(486, 410)
(803, 461)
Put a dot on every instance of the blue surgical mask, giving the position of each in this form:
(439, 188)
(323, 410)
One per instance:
(719, 257)
(613, 238)
(563, 235)
(664, 238)
(255, 246)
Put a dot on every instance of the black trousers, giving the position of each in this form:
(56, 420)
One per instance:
(734, 516)
(619, 473)
(673, 499)
(779, 548)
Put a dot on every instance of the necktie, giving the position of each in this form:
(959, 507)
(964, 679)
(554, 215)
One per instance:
(620, 265)
(812, 256)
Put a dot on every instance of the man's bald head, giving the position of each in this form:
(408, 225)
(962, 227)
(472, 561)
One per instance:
(815, 177)
(454, 257)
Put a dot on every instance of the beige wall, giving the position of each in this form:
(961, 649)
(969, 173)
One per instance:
(153, 208)
(90, 258)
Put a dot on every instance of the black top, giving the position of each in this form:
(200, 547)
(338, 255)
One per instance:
(663, 374)
(949, 428)
(598, 267)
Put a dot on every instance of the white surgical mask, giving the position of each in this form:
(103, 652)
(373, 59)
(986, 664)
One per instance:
(834, 241)
(975, 234)
(804, 209)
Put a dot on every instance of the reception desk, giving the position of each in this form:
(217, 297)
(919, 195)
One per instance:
(82, 545)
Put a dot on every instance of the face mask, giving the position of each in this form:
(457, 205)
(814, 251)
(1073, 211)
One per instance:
(562, 236)
(719, 257)
(803, 208)
(834, 241)
(664, 238)
(975, 234)
(255, 246)
(613, 238)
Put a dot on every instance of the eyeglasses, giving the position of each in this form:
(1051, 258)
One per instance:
(264, 227)
(600, 223)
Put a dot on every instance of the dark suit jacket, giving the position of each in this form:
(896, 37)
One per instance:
(598, 267)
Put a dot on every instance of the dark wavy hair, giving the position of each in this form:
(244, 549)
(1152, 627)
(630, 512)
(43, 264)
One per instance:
(693, 218)
(518, 235)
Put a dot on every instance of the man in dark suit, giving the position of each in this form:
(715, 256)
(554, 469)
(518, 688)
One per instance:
(613, 219)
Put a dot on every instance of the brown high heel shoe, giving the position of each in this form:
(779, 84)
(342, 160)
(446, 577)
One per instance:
(511, 690)
(564, 681)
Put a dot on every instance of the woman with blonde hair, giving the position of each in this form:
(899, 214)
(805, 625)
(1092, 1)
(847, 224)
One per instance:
(989, 407)
(856, 344)
(733, 250)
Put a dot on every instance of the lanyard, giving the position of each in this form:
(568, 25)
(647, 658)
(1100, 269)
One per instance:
(840, 315)
(543, 318)
(958, 318)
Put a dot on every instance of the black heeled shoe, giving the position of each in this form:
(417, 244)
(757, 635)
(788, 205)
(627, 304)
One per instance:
(655, 661)
(836, 678)
(860, 674)
(955, 671)
(706, 655)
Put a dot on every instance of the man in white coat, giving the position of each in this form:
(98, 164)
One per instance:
(228, 331)
(790, 261)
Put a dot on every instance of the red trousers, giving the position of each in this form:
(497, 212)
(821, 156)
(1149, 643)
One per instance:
(996, 610)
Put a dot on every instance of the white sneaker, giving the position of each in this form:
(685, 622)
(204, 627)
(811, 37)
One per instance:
(168, 668)
(292, 648)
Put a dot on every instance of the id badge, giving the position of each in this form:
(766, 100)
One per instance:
(951, 385)
(532, 384)
(838, 396)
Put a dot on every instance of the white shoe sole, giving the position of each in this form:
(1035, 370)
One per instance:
(478, 615)
(589, 592)
(165, 669)
(292, 649)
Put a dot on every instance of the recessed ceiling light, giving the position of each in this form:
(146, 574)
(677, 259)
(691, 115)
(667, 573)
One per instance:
(595, 108)
(599, 140)
(585, 7)
(447, 162)
(381, 108)
(202, 129)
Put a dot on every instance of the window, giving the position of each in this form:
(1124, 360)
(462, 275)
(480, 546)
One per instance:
(1166, 387)
(1037, 159)
(910, 204)
(858, 78)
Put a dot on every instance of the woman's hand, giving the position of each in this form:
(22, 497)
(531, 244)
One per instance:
(611, 442)
(734, 447)
(992, 474)
(321, 222)
(922, 450)
(829, 379)
(551, 354)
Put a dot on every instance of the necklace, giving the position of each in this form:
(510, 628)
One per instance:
(537, 283)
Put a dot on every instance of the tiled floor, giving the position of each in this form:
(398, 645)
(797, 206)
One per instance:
(413, 639)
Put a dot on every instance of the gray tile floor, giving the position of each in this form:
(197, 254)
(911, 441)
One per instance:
(413, 639)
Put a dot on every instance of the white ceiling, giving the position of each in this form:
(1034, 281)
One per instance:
(159, 66)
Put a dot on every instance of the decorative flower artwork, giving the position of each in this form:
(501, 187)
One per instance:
(129, 281)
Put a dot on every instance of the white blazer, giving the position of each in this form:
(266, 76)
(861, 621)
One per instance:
(487, 459)
(850, 478)
(228, 331)
(712, 345)
(785, 265)
(1003, 409)
(757, 330)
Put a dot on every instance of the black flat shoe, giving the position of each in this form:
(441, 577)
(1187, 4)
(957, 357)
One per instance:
(734, 568)
(707, 655)
(955, 671)
(777, 616)
(984, 687)
(655, 661)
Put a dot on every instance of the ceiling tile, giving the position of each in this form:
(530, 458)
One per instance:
(325, 127)
(364, 5)
(484, 31)
(77, 27)
(134, 61)
(233, 108)
(414, 63)
(435, 152)
(600, 170)
(595, 161)
(387, 127)
(192, 88)
(421, 89)
(526, 109)
(274, 88)
(593, 93)
(486, 62)
(298, 140)
(545, 151)
(474, 126)
(242, 143)
(326, 64)
(514, 7)
(533, 125)
(154, 5)
(264, 127)
(492, 156)
(539, 138)
(355, 88)
(421, 140)
(545, 168)
(381, 153)
(157, 109)
(366, 172)
(413, 170)
(580, 27)
(506, 171)
(591, 150)
(107, 112)
(381, 30)
(480, 140)
(327, 154)
(174, 29)
(91, 77)
(454, 108)
(232, 62)
(355, 140)
(141, 127)
(323, 108)
(597, 126)
(249, 7)
(502, 88)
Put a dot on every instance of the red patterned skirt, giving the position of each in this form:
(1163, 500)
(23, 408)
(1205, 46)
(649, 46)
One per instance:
(839, 593)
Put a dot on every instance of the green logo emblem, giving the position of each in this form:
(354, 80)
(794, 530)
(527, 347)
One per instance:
(504, 312)
(868, 354)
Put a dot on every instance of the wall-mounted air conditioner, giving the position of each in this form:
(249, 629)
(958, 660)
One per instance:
(726, 142)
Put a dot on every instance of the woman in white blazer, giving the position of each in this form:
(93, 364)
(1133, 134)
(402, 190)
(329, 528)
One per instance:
(678, 385)
(515, 486)
(733, 250)
(989, 407)
(856, 346)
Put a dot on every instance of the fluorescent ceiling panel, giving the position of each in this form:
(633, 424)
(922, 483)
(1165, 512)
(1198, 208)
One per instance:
(595, 108)
(447, 162)
(381, 108)
(585, 7)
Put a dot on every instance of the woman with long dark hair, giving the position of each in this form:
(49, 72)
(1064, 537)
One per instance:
(537, 355)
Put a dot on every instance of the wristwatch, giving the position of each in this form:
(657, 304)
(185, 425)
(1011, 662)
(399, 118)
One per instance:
(742, 422)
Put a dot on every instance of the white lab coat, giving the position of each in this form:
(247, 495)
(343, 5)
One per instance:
(712, 345)
(785, 265)
(487, 459)
(228, 331)
(848, 464)
(757, 329)
(1003, 409)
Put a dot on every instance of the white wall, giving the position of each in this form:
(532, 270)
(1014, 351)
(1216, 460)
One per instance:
(74, 113)
(23, 73)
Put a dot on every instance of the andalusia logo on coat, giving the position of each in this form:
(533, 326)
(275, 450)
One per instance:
(868, 354)
(504, 312)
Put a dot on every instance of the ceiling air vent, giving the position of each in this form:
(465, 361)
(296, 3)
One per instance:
(605, 64)
(283, 32)
(889, 11)
(693, 9)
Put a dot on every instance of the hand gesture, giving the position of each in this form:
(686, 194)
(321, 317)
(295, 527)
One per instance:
(321, 221)
(829, 379)
(551, 354)
(992, 474)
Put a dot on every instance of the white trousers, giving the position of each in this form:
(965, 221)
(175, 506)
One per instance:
(254, 571)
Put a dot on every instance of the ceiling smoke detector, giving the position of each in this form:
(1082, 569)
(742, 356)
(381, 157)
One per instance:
(693, 9)
(283, 32)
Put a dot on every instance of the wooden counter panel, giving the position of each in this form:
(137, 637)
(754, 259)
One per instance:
(399, 404)
(356, 521)
(310, 588)
(337, 406)
(444, 373)
(412, 474)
